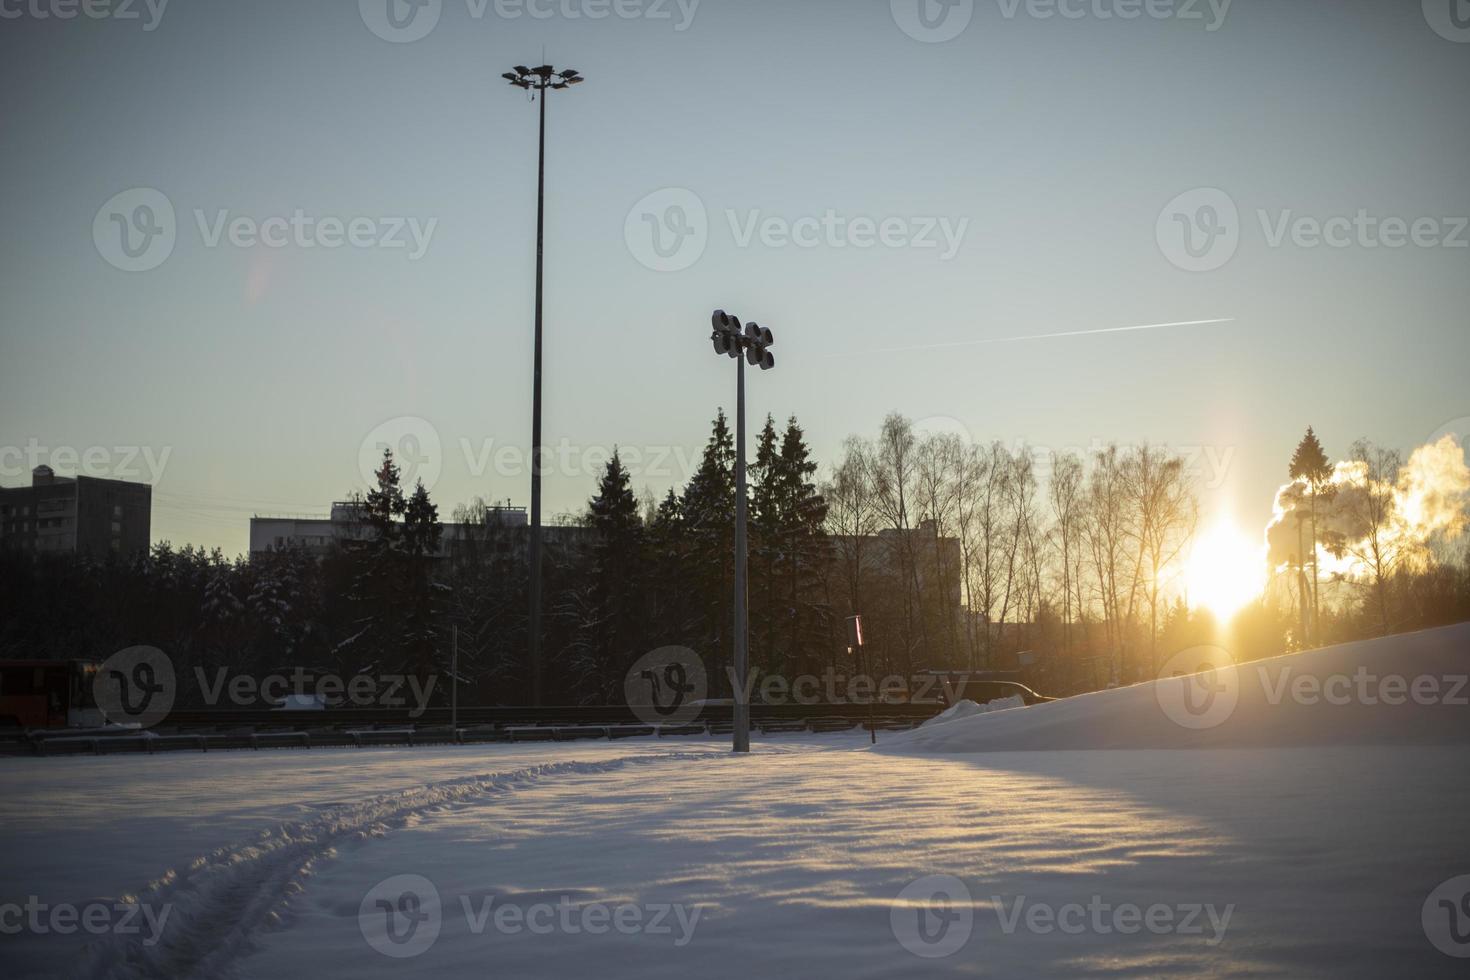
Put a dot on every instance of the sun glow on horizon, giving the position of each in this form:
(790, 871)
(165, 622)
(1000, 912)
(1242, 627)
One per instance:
(1226, 570)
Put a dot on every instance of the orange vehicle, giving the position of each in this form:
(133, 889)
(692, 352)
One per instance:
(48, 694)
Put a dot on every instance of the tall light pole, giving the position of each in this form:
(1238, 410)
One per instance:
(538, 80)
(751, 342)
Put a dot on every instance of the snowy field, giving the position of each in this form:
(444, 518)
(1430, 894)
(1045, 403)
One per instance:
(1292, 837)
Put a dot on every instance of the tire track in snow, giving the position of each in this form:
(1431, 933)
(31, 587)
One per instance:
(223, 898)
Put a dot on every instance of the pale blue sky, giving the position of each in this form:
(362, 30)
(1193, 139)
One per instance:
(260, 371)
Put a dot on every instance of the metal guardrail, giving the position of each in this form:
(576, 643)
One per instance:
(503, 716)
(235, 729)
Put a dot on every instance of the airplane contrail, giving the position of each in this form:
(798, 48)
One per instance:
(1037, 336)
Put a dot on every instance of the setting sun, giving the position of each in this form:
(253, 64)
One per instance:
(1226, 570)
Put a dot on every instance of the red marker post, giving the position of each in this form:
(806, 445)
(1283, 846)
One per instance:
(855, 645)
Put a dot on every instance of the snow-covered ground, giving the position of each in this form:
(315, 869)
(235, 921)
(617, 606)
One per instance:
(1007, 840)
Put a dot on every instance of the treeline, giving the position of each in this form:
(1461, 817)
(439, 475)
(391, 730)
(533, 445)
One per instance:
(1064, 573)
(1371, 544)
(1073, 575)
(399, 595)
(958, 556)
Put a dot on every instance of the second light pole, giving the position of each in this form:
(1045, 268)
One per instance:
(750, 344)
(538, 80)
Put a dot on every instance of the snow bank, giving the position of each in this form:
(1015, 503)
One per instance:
(966, 708)
(1400, 690)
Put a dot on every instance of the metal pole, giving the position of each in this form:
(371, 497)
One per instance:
(533, 625)
(454, 684)
(855, 650)
(863, 666)
(742, 707)
(858, 663)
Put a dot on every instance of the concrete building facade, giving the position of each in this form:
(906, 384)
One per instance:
(76, 515)
(319, 535)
